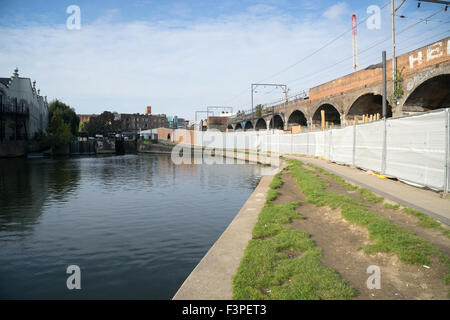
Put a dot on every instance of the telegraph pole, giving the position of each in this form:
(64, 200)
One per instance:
(384, 85)
(394, 60)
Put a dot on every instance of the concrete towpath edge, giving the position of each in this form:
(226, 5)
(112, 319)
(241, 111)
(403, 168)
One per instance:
(212, 278)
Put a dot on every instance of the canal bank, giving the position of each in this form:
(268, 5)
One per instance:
(317, 231)
(212, 277)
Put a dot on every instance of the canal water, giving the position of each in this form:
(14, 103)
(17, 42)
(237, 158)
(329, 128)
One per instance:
(136, 225)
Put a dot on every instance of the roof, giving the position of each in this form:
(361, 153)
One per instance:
(5, 81)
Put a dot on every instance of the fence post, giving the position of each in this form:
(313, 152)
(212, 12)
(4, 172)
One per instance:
(325, 143)
(330, 142)
(447, 155)
(354, 144)
(307, 144)
(292, 148)
(383, 151)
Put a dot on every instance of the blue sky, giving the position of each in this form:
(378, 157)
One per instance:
(181, 56)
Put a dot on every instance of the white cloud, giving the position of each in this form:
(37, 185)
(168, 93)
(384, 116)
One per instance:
(174, 67)
(336, 11)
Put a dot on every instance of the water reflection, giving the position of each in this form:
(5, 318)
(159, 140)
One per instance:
(25, 186)
(136, 225)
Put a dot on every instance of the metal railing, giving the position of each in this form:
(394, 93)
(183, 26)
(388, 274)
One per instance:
(268, 107)
(11, 109)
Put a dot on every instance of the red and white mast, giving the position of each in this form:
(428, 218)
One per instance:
(354, 43)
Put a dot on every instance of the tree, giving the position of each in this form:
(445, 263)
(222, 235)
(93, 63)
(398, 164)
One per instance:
(60, 131)
(103, 124)
(83, 126)
(66, 113)
(258, 110)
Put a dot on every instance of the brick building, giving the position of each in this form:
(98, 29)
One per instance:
(133, 123)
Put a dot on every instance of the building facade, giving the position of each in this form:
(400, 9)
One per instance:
(86, 117)
(23, 111)
(134, 123)
(175, 122)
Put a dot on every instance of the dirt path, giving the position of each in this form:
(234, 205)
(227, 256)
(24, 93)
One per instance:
(398, 217)
(340, 241)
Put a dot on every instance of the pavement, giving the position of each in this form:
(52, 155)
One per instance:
(423, 200)
(212, 277)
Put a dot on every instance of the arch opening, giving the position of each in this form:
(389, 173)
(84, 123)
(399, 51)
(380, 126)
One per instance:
(248, 125)
(332, 115)
(238, 126)
(368, 104)
(297, 118)
(230, 127)
(431, 94)
(276, 122)
(260, 124)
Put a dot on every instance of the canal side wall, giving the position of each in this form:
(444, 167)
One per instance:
(212, 278)
(149, 147)
(9, 149)
(105, 147)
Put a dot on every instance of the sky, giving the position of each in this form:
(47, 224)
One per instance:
(182, 56)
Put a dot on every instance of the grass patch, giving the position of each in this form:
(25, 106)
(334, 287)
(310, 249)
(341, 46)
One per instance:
(389, 237)
(276, 181)
(392, 206)
(272, 194)
(335, 177)
(426, 221)
(367, 194)
(268, 272)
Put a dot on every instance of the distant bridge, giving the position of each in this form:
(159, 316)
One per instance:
(426, 86)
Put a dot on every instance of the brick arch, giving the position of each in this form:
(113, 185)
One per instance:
(248, 125)
(367, 102)
(277, 121)
(438, 91)
(238, 126)
(297, 117)
(334, 114)
(303, 109)
(260, 124)
(337, 105)
(352, 98)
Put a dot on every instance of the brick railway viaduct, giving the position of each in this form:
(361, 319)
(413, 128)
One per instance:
(425, 84)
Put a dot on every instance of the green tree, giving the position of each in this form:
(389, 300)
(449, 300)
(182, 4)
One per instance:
(83, 126)
(66, 113)
(60, 133)
(258, 110)
(103, 124)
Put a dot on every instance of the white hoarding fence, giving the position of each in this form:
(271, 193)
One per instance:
(412, 148)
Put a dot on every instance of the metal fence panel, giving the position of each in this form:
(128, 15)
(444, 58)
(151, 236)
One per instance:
(368, 145)
(342, 145)
(415, 149)
(300, 143)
